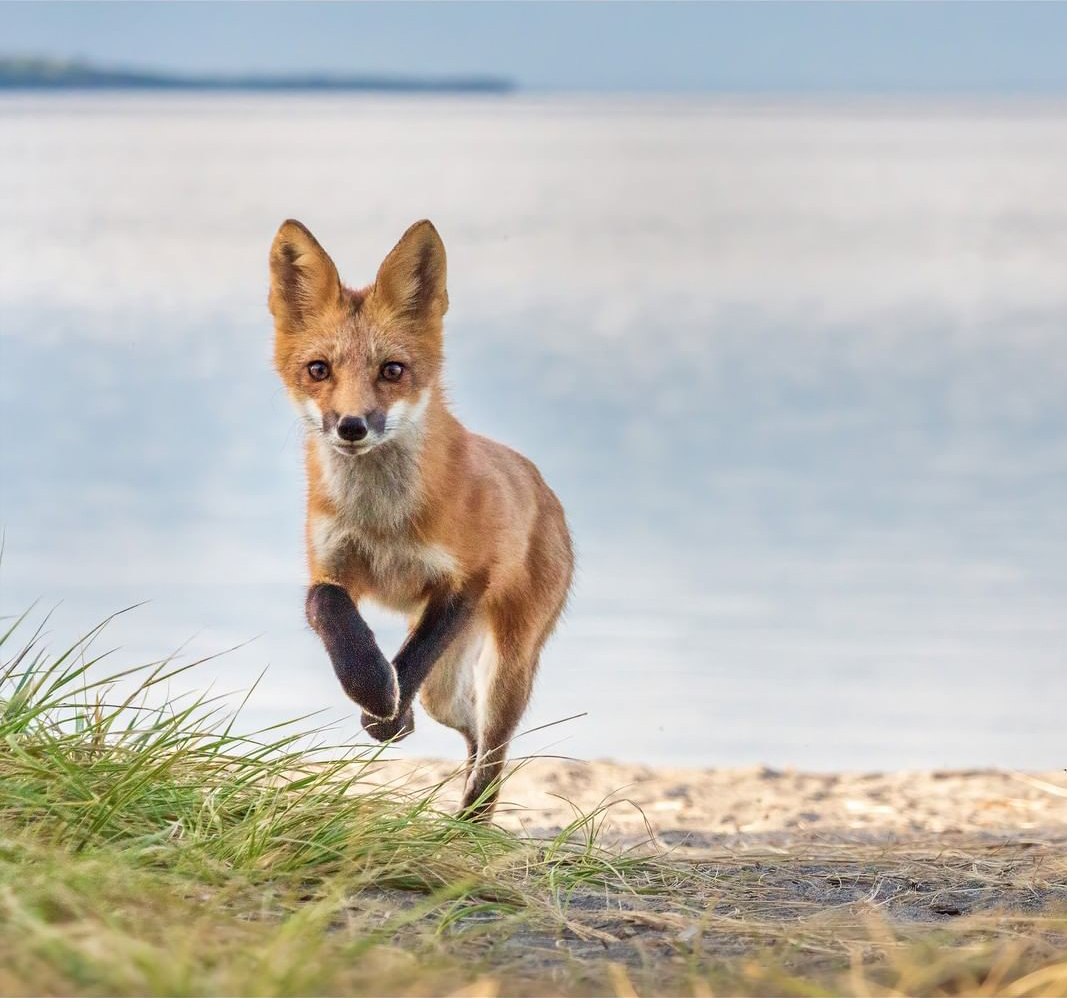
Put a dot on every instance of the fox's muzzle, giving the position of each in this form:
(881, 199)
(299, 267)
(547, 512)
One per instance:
(353, 429)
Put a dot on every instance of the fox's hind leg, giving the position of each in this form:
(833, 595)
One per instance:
(502, 683)
(503, 680)
(480, 687)
(448, 694)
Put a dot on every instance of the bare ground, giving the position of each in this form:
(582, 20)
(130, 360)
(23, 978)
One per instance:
(933, 882)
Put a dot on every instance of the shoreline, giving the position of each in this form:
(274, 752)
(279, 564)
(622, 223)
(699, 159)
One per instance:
(707, 809)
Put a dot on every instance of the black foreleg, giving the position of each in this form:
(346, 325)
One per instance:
(365, 673)
(440, 623)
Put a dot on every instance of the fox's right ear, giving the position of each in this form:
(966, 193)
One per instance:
(303, 278)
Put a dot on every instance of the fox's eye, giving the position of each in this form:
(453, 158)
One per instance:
(392, 371)
(319, 370)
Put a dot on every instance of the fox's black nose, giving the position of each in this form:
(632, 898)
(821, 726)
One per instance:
(352, 428)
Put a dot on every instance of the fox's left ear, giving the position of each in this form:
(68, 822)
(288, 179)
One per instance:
(411, 279)
(303, 279)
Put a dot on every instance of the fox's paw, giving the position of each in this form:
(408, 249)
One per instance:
(394, 728)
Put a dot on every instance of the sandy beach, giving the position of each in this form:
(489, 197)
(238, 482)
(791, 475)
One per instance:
(701, 809)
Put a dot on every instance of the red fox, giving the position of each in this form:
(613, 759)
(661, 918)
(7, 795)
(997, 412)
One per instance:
(408, 508)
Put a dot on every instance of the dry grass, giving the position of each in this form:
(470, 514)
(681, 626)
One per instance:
(158, 852)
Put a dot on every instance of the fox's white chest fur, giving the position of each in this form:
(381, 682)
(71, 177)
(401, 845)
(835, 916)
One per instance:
(375, 496)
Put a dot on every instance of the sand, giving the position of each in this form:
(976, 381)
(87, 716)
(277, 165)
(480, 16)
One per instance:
(697, 809)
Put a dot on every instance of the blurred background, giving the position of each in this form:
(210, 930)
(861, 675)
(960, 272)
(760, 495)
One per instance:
(775, 295)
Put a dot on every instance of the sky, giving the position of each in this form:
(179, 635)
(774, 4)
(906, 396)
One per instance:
(948, 47)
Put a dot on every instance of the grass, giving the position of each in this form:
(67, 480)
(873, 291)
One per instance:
(156, 850)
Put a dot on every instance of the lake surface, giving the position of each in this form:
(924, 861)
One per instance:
(797, 371)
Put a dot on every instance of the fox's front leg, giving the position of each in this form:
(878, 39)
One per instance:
(365, 674)
(441, 622)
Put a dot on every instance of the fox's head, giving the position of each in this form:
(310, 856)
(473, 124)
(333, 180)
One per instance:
(360, 365)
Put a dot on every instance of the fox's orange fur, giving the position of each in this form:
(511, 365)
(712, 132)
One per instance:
(457, 531)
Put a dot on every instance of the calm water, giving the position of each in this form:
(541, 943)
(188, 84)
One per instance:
(798, 373)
